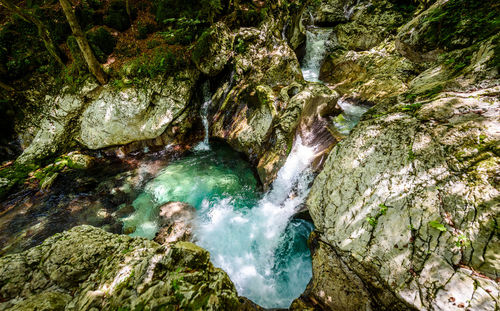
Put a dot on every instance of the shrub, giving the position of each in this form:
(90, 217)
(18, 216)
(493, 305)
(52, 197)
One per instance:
(117, 16)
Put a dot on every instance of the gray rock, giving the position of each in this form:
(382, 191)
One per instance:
(87, 268)
(121, 117)
(176, 222)
(408, 204)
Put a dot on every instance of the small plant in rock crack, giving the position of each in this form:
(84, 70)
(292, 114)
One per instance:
(462, 241)
(437, 225)
(373, 220)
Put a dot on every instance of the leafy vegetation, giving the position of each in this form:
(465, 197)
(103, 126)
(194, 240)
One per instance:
(437, 225)
(373, 220)
(460, 23)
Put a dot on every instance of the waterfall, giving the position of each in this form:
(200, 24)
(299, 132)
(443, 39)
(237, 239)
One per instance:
(257, 246)
(316, 39)
(207, 100)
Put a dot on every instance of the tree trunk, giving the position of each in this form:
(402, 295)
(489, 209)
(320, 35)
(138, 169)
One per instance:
(127, 7)
(43, 32)
(88, 54)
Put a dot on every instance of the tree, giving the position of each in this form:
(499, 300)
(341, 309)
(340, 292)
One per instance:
(43, 32)
(92, 62)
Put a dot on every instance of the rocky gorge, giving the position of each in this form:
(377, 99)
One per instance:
(350, 161)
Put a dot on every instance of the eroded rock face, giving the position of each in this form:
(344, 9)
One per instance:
(406, 207)
(214, 49)
(121, 117)
(373, 76)
(259, 112)
(87, 268)
(408, 203)
(61, 124)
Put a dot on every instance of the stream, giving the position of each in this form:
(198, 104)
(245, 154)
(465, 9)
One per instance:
(252, 235)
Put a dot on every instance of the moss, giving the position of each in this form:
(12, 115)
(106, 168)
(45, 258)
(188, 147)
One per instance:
(460, 23)
(203, 10)
(102, 43)
(162, 61)
(76, 54)
(202, 45)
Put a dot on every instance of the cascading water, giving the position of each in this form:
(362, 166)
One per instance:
(316, 39)
(350, 116)
(207, 100)
(258, 247)
(256, 241)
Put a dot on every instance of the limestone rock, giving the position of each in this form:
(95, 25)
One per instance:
(404, 203)
(365, 24)
(120, 117)
(258, 114)
(379, 74)
(176, 221)
(87, 268)
(445, 26)
(59, 127)
(213, 50)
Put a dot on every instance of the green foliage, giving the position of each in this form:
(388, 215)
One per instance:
(460, 23)
(462, 241)
(161, 62)
(117, 16)
(20, 56)
(373, 220)
(202, 45)
(437, 225)
(21, 49)
(240, 46)
(411, 107)
(183, 31)
(203, 10)
(102, 43)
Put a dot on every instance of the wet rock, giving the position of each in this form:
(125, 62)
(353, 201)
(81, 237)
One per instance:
(258, 114)
(80, 161)
(86, 268)
(176, 221)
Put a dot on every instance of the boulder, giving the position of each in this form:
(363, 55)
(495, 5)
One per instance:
(404, 204)
(133, 114)
(87, 268)
(373, 76)
(213, 49)
(176, 221)
(446, 26)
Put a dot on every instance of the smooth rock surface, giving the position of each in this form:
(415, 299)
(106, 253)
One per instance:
(120, 117)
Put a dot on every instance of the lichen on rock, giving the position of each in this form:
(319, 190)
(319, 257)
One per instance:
(87, 268)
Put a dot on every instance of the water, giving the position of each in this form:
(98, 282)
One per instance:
(207, 101)
(350, 116)
(250, 235)
(316, 39)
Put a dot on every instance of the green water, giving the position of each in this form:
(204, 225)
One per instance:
(200, 177)
(250, 234)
